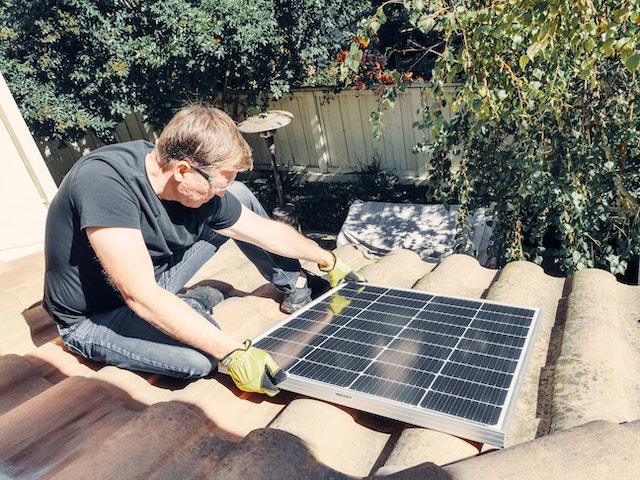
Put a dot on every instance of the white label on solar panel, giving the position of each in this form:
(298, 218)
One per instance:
(446, 363)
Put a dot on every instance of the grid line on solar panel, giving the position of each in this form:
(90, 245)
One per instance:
(428, 337)
(436, 327)
(326, 316)
(285, 355)
(492, 362)
(356, 349)
(373, 327)
(400, 374)
(313, 315)
(508, 309)
(386, 363)
(403, 310)
(489, 349)
(338, 362)
(475, 411)
(456, 309)
(477, 374)
(494, 338)
(515, 330)
(368, 288)
(354, 305)
(441, 317)
(396, 301)
(361, 298)
(301, 337)
(453, 356)
(457, 302)
(453, 310)
(270, 343)
(409, 347)
(505, 317)
(324, 373)
(418, 361)
(304, 325)
(372, 315)
(337, 359)
(362, 336)
(405, 393)
(373, 290)
(457, 388)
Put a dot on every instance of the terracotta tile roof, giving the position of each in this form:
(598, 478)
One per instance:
(577, 415)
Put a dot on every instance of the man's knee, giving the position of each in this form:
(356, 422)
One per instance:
(247, 198)
(193, 365)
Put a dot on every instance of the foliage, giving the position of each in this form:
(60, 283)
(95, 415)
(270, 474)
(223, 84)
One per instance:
(546, 119)
(82, 65)
(323, 206)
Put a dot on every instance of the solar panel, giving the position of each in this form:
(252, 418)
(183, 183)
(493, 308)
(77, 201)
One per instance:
(445, 363)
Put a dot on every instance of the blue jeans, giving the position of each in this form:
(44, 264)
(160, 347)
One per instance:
(120, 337)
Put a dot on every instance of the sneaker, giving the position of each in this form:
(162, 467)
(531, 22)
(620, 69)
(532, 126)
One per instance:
(295, 300)
(205, 295)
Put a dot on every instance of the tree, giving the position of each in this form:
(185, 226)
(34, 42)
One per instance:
(82, 65)
(546, 124)
(66, 64)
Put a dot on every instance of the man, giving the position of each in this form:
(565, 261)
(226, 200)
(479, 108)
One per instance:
(132, 223)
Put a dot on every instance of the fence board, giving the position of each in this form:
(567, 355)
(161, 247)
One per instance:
(329, 134)
(357, 129)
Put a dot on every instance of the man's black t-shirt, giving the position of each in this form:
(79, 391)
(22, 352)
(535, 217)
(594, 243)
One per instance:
(110, 187)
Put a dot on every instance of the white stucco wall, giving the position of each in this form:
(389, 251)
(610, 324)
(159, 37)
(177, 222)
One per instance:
(26, 186)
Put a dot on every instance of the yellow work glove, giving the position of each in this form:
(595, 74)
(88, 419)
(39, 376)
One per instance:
(253, 370)
(340, 271)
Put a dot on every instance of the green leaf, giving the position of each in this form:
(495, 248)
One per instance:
(533, 50)
(625, 43)
(620, 15)
(607, 48)
(632, 62)
(426, 23)
(589, 44)
(523, 62)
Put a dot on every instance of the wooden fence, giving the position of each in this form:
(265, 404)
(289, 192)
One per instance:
(60, 158)
(329, 135)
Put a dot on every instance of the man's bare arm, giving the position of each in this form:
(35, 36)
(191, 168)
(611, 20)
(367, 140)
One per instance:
(276, 237)
(126, 261)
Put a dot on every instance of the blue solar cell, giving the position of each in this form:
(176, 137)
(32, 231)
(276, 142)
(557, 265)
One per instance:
(432, 326)
(490, 362)
(352, 348)
(474, 410)
(495, 338)
(381, 326)
(325, 373)
(481, 375)
(401, 374)
(448, 318)
(429, 337)
(398, 391)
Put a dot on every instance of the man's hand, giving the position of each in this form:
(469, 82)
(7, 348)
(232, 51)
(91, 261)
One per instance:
(253, 370)
(340, 271)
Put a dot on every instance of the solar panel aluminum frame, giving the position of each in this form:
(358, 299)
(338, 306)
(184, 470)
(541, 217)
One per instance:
(416, 415)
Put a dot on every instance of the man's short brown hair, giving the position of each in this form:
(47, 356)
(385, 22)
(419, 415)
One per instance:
(205, 137)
